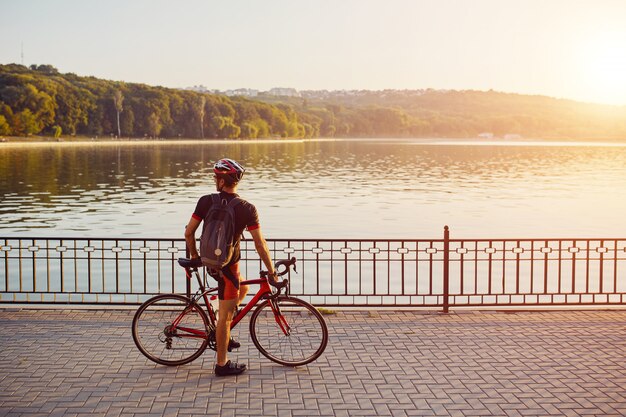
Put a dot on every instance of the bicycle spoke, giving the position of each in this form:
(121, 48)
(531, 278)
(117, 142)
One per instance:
(169, 331)
(307, 337)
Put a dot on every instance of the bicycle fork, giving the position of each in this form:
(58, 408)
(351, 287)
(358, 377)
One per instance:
(280, 319)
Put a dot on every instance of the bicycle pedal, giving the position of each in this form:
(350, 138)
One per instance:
(233, 344)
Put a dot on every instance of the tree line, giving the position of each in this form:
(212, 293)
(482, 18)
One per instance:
(38, 100)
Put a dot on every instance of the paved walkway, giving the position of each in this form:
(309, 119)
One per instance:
(73, 362)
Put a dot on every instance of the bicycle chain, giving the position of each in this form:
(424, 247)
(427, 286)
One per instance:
(212, 340)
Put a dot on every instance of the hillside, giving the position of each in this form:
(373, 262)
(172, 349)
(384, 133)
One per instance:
(41, 101)
(450, 113)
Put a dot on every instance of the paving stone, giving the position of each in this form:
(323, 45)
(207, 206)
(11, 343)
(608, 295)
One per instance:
(558, 363)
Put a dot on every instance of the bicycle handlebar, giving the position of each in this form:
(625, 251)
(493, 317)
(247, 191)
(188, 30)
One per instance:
(286, 263)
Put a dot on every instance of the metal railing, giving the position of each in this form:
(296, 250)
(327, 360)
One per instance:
(435, 273)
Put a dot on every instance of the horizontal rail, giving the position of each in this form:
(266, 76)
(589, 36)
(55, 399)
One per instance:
(435, 273)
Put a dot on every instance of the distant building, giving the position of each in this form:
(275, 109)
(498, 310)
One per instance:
(198, 88)
(242, 92)
(485, 135)
(321, 94)
(284, 92)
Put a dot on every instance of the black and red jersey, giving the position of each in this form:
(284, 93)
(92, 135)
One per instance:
(246, 217)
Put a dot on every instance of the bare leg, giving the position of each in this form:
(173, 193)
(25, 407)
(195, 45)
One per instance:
(222, 333)
(243, 290)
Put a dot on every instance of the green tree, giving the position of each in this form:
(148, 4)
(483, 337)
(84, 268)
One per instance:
(74, 106)
(262, 128)
(128, 121)
(249, 131)
(154, 125)
(25, 123)
(326, 121)
(46, 69)
(227, 128)
(245, 111)
(27, 97)
(178, 115)
(5, 129)
(6, 111)
(226, 108)
(309, 130)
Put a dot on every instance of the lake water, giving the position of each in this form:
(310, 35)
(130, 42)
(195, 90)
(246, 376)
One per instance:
(383, 188)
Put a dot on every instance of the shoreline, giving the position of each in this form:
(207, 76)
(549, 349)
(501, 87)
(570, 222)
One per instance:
(142, 142)
(84, 141)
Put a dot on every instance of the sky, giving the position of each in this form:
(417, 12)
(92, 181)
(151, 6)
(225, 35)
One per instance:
(572, 49)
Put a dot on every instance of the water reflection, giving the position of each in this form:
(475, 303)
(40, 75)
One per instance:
(352, 189)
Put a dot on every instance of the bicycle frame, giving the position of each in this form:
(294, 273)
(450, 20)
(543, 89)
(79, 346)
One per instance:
(264, 291)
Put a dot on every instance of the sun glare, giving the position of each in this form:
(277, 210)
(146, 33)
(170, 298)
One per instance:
(604, 68)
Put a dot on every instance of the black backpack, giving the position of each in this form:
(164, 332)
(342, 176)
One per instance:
(217, 242)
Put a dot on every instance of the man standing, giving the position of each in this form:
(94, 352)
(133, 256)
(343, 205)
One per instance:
(227, 175)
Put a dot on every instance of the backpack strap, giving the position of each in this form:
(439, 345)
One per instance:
(234, 202)
(215, 199)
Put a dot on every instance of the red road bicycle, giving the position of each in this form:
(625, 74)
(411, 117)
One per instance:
(172, 329)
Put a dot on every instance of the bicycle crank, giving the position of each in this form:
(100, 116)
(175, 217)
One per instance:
(212, 340)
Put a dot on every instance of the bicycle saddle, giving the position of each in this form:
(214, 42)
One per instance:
(190, 263)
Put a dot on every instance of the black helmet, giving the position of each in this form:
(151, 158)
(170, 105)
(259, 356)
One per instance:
(229, 170)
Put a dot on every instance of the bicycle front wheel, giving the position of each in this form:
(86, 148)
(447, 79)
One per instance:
(171, 329)
(288, 331)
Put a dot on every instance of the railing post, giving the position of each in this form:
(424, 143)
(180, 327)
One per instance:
(188, 280)
(446, 269)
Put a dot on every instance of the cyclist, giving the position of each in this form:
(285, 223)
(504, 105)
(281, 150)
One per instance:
(227, 175)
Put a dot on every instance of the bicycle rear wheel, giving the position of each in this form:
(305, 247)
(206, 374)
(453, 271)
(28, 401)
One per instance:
(290, 332)
(171, 329)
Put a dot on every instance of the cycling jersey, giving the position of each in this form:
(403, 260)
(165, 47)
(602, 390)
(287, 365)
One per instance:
(246, 218)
